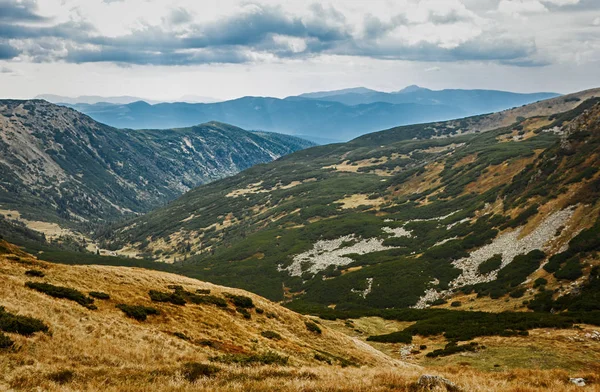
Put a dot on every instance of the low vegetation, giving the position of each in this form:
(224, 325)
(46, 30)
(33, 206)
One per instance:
(63, 292)
(22, 325)
(192, 371)
(138, 312)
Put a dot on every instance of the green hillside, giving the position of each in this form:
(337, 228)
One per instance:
(399, 218)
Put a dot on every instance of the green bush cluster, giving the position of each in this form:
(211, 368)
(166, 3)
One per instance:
(312, 327)
(271, 335)
(491, 264)
(138, 312)
(35, 273)
(99, 295)
(240, 301)
(176, 298)
(63, 292)
(22, 325)
(5, 341)
(454, 348)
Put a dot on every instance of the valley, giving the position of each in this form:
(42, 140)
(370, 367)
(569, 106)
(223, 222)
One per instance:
(466, 249)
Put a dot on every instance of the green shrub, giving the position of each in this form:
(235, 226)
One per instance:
(62, 376)
(5, 341)
(241, 301)
(138, 312)
(175, 298)
(20, 324)
(259, 310)
(394, 337)
(271, 335)
(35, 273)
(268, 358)
(181, 335)
(540, 282)
(208, 299)
(63, 292)
(491, 264)
(99, 295)
(244, 312)
(453, 348)
(312, 327)
(439, 301)
(572, 270)
(517, 293)
(456, 304)
(203, 291)
(192, 371)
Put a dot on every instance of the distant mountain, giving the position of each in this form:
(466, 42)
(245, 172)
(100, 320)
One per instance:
(122, 100)
(92, 99)
(321, 117)
(471, 102)
(58, 165)
(307, 117)
(324, 94)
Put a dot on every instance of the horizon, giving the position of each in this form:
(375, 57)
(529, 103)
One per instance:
(190, 98)
(165, 50)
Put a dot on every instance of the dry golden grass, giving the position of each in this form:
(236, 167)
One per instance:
(106, 351)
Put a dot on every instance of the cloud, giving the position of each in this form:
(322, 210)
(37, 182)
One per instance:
(596, 22)
(14, 10)
(433, 69)
(427, 30)
(519, 7)
(8, 52)
(178, 16)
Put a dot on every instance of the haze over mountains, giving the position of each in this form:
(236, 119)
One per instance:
(322, 117)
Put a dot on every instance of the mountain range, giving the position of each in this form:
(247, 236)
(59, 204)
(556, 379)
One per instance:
(58, 165)
(413, 216)
(467, 247)
(321, 117)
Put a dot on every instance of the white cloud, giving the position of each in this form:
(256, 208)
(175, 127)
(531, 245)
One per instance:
(433, 69)
(520, 7)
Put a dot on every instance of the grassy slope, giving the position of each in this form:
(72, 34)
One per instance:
(89, 350)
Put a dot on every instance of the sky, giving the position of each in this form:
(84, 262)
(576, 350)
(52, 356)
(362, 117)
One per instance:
(159, 49)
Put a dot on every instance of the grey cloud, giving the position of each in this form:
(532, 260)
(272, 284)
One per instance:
(123, 56)
(11, 10)
(236, 38)
(178, 16)
(8, 52)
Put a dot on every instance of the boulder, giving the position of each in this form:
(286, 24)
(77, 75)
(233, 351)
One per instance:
(430, 382)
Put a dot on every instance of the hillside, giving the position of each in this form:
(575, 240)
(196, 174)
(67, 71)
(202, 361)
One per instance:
(60, 166)
(407, 217)
(65, 328)
(87, 338)
(319, 116)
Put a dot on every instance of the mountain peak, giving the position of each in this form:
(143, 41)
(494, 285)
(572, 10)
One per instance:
(411, 89)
